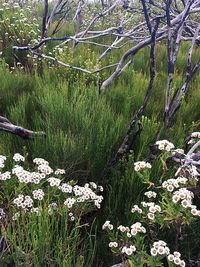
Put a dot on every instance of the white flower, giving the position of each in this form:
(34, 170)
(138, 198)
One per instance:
(194, 212)
(38, 194)
(150, 216)
(150, 194)
(5, 176)
(165, 145)
(107, 225)
(122, 228)
(54, 181)
(113, 244)
(69, 202)
(177, 260)
(40, 161)
(17, 157)
(128, 250)
(141, 165)
(170, 257)
(44, 168)
(195, 135)
(66, 188)
(182, 263)
(159, 247)
(23, 201)
(59, 171)
(177, 254)
(137, 228)
(170, 188)
(136, 209)
(154, 252)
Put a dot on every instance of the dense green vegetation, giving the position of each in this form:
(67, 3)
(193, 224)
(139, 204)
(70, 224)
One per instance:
(84, 130)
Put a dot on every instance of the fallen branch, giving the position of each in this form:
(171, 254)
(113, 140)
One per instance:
(7, 126)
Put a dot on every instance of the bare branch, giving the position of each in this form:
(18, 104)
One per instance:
(7, 126)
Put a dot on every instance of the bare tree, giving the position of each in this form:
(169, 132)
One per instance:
(133, 31)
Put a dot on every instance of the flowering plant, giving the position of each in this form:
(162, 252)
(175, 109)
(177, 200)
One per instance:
(167, 206)
(41, 205)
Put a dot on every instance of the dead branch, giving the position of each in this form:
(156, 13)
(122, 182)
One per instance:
(7, 126)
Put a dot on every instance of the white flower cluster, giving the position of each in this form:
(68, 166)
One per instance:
(195, 135)
(71, 215)
(23, 201)
(152, 209)
(128, 250)
(113, 245)
(17, 157)
(40, 161)
(46, 169)
(193, 172)
(54, 181)
(150, 194)
(123, 229)
(25, 176)
(66, 188)
(59, 171)
(141, 165)
(85, 193)
(171, 184)
(159, 247)
(2, 160)
(38, 194)
(107, 225)
(183, 195)
(136, 209)
(5, 176)
(165, 145)
(69, 202)
(137, 228)
(175, 258)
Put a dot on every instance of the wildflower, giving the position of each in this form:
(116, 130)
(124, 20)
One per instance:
(128, 250)
(159, 247)
(150, 216)
(59, 171)
(165, 145)
(5, 176)
(66, 188)
(136, 209)
(113, 244)
(107, 225)
(137, 228)
(194, 212)
(141, 165)
(23, 201)
(195, 135)
(54, 181)
(150, 194)
(44, 168)
(38, 194)
(154, 252)
(69, 202)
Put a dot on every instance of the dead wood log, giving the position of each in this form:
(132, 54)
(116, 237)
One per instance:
(9, 127)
